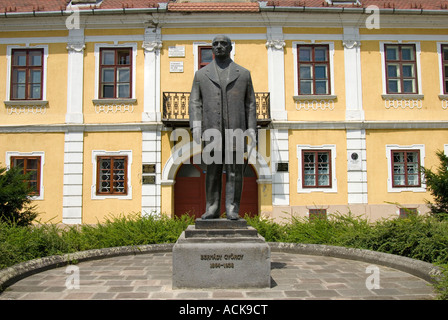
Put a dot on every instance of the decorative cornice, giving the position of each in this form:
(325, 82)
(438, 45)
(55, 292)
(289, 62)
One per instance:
(276, 44)
(76, 47)
(26, 106)
(152, 46)
(350, 44)
(291, 125)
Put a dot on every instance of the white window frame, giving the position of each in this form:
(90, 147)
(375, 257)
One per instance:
(442, 95)
(331, 94)
(389, 148)
(95, 154)
(334, 181)
(8, 69)
(196, 46)
(418, 51)
(98, 47)
(40, 154)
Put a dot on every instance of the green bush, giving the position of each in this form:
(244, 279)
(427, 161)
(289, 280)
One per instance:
(419, 237)
(15, 202)
(22, 243)
(441, 286)
(271, 231)
(126, 231)
(340, 230)
(437, 183)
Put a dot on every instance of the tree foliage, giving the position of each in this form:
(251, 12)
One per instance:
(437, 184)
(15, 201)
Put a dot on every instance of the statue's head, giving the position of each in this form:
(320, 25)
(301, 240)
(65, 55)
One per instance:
(222, 46)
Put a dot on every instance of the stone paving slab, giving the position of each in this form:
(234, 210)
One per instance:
(148, 276)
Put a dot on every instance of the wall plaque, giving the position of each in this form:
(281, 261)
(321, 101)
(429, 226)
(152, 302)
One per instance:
(176, 66)
(149, 168)
(282, 167)
(176, 52)
(149, 179)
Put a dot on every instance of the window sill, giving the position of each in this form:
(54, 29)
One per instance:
(12, 103)
(114, 101)
(443, 96)
(314, 97)
(99, 196)
(402, 96)
(406, 189)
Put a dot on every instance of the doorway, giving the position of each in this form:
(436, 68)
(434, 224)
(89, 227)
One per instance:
(189, 191)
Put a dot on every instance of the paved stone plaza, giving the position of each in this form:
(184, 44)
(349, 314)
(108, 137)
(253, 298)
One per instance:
(148, 276)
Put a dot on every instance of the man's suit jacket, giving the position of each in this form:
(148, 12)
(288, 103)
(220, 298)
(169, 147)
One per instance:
(205, 99)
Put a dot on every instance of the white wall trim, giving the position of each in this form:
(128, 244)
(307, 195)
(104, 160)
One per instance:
(276, 72)
(151, 154)
(32, 40)
(279, 125)
(357, 168)
(75, 76)
(417, 58)
(280, 154)
(208, 37)
(353, 77)
(439, 57)
(151, 75)
(330, 44)
(8, 68)
(95, 154)
(99, 46)
(389, 148)
(403, 37)
(334, 181)
(183, 153)
(73, 177)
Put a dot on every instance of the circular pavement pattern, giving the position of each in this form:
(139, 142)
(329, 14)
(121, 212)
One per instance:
(293, 276)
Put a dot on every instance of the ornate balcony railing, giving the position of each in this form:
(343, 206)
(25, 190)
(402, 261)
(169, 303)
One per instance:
(175, 108)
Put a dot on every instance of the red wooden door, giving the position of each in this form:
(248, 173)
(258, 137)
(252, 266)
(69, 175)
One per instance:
(189, 191)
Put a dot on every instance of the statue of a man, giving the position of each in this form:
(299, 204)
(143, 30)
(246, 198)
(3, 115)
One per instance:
(223, 99)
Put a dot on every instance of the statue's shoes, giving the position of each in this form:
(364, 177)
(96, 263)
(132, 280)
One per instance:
(233, 216)
(209, 215)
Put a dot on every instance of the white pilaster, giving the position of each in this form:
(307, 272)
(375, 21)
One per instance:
(75, 76)
(151, 104)
(279, 154)
(73, 169)
(151, 154)
(353, 86)
(276, 72)
(356, 167)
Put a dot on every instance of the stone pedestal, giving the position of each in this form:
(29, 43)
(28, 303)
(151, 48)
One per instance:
(221, 253)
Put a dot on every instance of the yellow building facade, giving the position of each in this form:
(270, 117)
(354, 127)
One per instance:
(351, 99)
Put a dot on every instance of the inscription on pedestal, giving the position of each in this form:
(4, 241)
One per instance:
(217, 258)
(222, 260)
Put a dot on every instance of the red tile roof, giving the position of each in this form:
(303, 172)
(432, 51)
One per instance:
(118, 4)
(208, 6)
(215, 7)
(382, 4)
(32, 5)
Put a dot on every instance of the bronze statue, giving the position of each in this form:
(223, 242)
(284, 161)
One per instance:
(223, 99)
